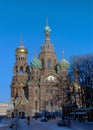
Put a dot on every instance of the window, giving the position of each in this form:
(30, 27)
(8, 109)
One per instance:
(55, 103)
(16, 69)
(47, 103)
(51, 103)
(47, 91)
(54, 62)
(51, 78)
(49, 63)
(36, 91)
(42, 63)
(21, 70)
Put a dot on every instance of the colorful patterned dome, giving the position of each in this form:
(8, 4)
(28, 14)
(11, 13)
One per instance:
(35, 63)
(64, 64)
(47, 29)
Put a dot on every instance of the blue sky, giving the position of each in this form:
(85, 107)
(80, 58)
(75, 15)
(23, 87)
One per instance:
(71, 22)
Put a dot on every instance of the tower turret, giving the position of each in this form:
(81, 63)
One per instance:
(62, 66)
(47, 46)
(64, 63)
(35, 66)
(47, 31)
(21, 59)
(19, 88)
(47, 55)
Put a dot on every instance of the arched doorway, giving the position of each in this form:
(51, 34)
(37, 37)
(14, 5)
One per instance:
(19, 115)
(22, 115)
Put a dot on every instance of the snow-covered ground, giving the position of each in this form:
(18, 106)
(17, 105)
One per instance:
(52, 125)
(3, 123)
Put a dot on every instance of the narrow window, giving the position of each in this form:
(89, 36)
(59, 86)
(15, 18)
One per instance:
(21, 70)
(51, 103)
(49, 63)
(47, 91)
(42, 63)
(36, 91)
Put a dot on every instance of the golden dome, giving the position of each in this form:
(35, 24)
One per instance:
(21, 50)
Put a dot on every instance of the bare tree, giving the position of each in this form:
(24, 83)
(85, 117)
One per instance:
(83, 66)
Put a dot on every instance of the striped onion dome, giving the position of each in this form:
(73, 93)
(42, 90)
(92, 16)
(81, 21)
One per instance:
(35, 63)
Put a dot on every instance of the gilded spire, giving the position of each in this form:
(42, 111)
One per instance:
(62, 53)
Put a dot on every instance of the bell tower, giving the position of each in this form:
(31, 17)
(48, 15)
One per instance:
(47, 55)
(21, 57)
(20, 76)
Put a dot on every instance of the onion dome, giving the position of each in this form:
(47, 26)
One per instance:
(35, 63)
(47, 28)
(47, 46)
(21, 50)
(64, 63)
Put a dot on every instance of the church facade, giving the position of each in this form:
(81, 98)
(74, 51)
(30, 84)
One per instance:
(35, 87)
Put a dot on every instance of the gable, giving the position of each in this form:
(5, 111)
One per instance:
(51, 77)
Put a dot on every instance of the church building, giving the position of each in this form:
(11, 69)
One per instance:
(34, 87)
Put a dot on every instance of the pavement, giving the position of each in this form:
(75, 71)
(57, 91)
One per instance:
(52, 125)
(38, 125)
(4, 124)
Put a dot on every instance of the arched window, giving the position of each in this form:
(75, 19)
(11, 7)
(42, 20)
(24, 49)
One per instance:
(21, 70)
(43, 63)
(36, 91)
(16, 69)
(47, 91)
(48, 63)
(55, 62)
(51, 103)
